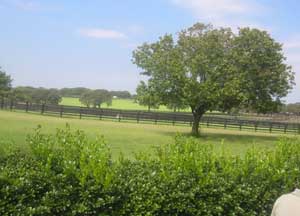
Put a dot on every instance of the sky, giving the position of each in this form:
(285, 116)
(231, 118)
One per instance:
(89, 43)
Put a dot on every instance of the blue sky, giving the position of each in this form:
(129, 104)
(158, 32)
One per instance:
(68, 43)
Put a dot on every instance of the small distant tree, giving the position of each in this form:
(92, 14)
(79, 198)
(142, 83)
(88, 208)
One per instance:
(5, 84)
(146, 96)
(40, 95)
(96, 98)
(24, 93)
(86, 98)
(53, 97)
(215, 69)
(101, 96)
(17, 95)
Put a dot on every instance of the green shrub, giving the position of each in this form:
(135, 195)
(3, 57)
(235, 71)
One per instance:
(68, 174)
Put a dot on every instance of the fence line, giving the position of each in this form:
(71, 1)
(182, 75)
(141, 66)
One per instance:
(154, 117)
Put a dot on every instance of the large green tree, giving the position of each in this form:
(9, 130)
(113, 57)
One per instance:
(214, 69)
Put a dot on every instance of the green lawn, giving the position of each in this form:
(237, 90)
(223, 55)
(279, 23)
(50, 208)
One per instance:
(127, 104)
(126, 137)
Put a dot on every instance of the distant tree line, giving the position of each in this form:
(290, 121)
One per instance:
(291, 108)
(79, 91)
(88, 97)
(35, 95)
(73, 92)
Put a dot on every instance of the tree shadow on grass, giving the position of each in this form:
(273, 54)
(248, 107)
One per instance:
(235, 141)
(229, 135)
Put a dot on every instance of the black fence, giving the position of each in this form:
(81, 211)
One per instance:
(154, 117)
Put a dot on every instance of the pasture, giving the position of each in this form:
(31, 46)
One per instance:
(126, 104)
(128, 138)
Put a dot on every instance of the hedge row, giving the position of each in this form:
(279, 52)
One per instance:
(68, 174)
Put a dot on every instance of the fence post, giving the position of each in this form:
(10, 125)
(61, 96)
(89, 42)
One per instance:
(61, 111)
(285, 128)
(225, 124)
(174, 119)
(119, 115)
(271, 127)
(156, 116)
(138, 117)
(207, 122)
(27, 105)
(240, 125)
(43, 109)
(80, 114)
(298, 128)
(101, 113)
(255, 126)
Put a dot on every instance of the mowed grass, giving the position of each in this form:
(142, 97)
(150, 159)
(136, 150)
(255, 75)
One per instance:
(126, 104)
(128, 138)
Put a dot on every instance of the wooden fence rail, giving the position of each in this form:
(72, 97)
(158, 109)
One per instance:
(154, 117)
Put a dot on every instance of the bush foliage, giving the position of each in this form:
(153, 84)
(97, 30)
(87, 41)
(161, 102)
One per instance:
(68, 174)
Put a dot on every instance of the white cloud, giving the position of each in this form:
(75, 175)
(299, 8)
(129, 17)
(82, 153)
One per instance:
(232, 13)
(102, 33)
(214, 8)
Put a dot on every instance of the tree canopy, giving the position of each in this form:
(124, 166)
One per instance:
(36, 95)
(146, 96)
(96, 98)
(209, 68)
(73, 92)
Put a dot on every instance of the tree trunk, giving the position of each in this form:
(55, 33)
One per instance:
(196, 123)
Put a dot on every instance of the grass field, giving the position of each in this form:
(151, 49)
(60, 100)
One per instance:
(128, 138)
(127, 104)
